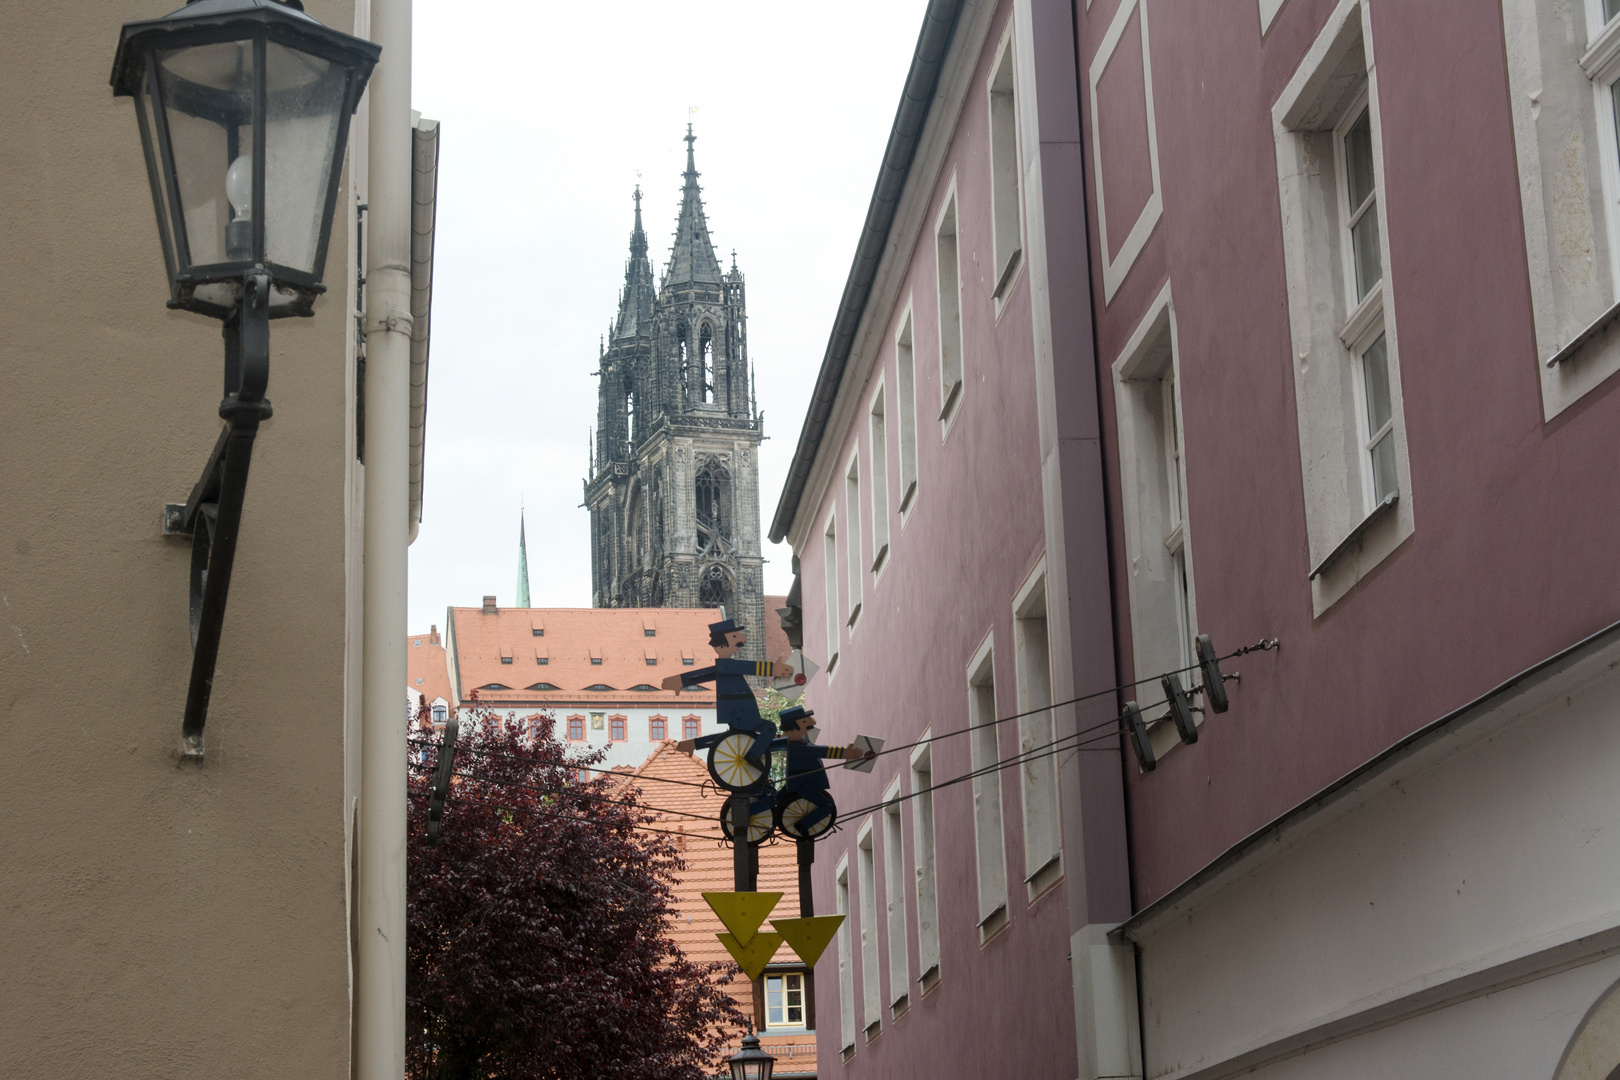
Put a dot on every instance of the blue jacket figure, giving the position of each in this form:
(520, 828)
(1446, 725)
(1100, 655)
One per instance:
(734, 701)
(806, 775)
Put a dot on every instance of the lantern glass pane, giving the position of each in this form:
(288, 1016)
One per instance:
(145, 110)
(208, 103)
(303, 112)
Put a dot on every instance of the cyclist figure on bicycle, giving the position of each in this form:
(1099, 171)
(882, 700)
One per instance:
(735, 704)
(806, 775)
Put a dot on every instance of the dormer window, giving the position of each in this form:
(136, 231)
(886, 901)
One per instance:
(494, 686)
(542, 659)
(645, 633)
(599, 687)
(542, 686)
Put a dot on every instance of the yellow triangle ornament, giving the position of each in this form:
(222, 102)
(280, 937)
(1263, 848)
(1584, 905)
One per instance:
(755, 955)
(808, 937)
(743, 913)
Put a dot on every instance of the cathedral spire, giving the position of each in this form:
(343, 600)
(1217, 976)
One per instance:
(523, 563)
(635, 304)
(692, 258)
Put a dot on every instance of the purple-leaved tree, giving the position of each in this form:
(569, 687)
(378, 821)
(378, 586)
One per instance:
(537, 943)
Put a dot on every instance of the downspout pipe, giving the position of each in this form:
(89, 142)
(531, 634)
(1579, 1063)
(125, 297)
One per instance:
(380, 991)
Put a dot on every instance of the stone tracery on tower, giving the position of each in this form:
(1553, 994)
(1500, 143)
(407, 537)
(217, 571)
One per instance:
(673, 486)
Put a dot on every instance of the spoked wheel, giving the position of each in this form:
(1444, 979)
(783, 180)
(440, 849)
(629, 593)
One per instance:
(793, 808)
(761, 819)
(731, 769)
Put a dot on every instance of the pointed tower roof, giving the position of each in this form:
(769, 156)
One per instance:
(635, 303)
(523, 563)
(692, 258)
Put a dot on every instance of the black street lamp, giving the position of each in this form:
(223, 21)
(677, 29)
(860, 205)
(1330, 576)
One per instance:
(244, 110)
(751, 1063)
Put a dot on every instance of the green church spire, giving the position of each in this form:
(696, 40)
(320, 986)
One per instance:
(523, 564)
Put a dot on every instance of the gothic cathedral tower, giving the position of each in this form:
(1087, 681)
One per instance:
(673, 488)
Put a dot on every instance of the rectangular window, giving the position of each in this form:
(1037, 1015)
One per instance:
(894, 902)
(985, 750)
(1032, 659)
(542, 660)
(922, 853)
(596, 661)
(690, 727)
(1154, 497)
(784, 1000)
(657, 728)
(950, 313)
(506, 659)
(1346, 369)
(846, 964)
(871, 973)
(830, 543)
(576, 728)
(880, 484)
(616, 729)
(506, 654)
(1004, 171)
(852, 556)
(652, 661)
(906, 383)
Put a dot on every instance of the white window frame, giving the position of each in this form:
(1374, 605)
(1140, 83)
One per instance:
(989, 820)
(871, 968)
(852, 542)
(1329, 331)
(924, 856)
(877, 431)
(804, 1000)
(829, 537)
(1162, 584)
(905, 356)
(1136, 238)
(1006, 187)
(846, 961)
(1571, 221)
(952, 362)
(894, 901)
(1037, 734)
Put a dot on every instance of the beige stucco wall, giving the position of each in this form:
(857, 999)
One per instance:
(157, 920)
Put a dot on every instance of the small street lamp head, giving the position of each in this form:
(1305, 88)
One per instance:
(244, 110)
(751, 1063)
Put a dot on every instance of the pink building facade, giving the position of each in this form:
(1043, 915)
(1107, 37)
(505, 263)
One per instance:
(1285, 320)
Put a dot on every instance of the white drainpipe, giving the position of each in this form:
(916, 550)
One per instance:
(380, 1005)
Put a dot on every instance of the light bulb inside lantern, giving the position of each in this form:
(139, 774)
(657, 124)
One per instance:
(239, 186)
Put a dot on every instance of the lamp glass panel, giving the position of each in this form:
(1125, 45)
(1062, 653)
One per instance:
(303, 113)
(207, 93)
(146, 107)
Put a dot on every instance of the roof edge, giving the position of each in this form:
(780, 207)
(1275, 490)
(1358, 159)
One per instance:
(916, 102)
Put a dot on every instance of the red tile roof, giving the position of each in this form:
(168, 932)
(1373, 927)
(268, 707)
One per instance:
(425, 668)
(776, 640)
(709, 869)
(571, 638)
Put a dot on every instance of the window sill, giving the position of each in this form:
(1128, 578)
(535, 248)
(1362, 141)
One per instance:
(929, 979)
(882, 555)
(1603, 51)
(899, 1007)
(854, 614)
(1008, 272)
(993, 923)
(873, 1030)
(951, 397)
(1379, 513)
(1598, 325)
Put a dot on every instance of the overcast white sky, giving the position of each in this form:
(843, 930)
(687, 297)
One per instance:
(549, 113)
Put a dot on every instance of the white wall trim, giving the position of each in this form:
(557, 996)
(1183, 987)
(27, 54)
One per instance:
(1115, 269)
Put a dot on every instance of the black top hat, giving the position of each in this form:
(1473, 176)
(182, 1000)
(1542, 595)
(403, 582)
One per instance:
(789, 719)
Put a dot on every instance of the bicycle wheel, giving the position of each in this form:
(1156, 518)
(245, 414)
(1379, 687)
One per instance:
(792, 808)
(731, 769)
(761, 821)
